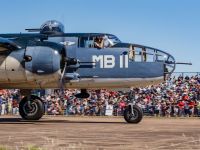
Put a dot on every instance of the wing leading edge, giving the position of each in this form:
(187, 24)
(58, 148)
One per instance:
(7, 45)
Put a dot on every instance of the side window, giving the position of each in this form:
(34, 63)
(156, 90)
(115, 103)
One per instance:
(138, 56)
(160, 56)
(82, 41)
(135, 54)
(86, 42)
(150, 55)
(143, 54)
(98, 42)
(89, 43)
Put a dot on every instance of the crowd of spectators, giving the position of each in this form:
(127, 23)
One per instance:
(175, 97)
(9, 102)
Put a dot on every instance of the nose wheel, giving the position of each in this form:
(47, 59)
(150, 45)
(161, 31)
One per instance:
(133, 114)
(31, 108)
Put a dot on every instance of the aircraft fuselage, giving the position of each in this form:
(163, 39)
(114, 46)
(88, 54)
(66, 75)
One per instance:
(112, 67)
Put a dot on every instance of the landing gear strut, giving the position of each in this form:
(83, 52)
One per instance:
(133, 113)
(31, 108)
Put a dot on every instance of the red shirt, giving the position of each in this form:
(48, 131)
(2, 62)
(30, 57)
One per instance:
(122, 104)
(14, 104)
(181, 104)
(191, 104)
(185, 97)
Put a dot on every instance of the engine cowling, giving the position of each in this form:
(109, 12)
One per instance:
(45, 63)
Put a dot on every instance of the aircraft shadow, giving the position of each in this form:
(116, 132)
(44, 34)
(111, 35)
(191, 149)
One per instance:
(49, 121)
(13, 121)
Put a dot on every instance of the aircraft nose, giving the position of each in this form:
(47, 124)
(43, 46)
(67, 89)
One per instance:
(170, 64)
(151, 57)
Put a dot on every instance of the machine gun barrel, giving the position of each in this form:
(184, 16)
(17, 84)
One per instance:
(183, 63)
(178, 63)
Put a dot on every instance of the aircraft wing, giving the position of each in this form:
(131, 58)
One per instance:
(8, 45)
(44, 36)
(20, 39)
(15, 41)
(23, 35)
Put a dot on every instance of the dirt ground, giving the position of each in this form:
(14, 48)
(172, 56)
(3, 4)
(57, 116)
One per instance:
(99, 133)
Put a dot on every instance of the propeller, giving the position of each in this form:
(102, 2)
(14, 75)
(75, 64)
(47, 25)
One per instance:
(61, 83)
(73, 64)
(67, 63)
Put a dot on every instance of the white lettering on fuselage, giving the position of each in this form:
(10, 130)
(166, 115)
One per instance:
(98, 59)
(108, 61)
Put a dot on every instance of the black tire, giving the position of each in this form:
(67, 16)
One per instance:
(35, 112)
(138, 114)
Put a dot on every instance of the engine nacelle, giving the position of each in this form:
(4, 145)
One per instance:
(45, 63)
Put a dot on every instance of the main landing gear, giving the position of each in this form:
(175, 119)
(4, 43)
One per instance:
(31, 107)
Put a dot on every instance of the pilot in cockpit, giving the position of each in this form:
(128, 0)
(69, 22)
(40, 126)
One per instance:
(98, 42)
(102, 42)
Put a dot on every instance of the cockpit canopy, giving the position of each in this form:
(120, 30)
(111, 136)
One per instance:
(98, 41)
(112, 39)
(52, 27)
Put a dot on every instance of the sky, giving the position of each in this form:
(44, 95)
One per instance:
(169, 25)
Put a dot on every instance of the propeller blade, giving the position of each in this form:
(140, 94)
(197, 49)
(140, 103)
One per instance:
(62, 80)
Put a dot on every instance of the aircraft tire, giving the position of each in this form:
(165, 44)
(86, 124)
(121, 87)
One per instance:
(136, 118)
(34, 112)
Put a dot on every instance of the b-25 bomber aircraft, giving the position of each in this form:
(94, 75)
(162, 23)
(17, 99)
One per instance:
(50, 58)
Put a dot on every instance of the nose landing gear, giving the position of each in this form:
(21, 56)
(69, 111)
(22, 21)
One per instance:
(133, 114)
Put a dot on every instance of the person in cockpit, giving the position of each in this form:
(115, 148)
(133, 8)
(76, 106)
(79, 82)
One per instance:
(103, 42)
(99, 42)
